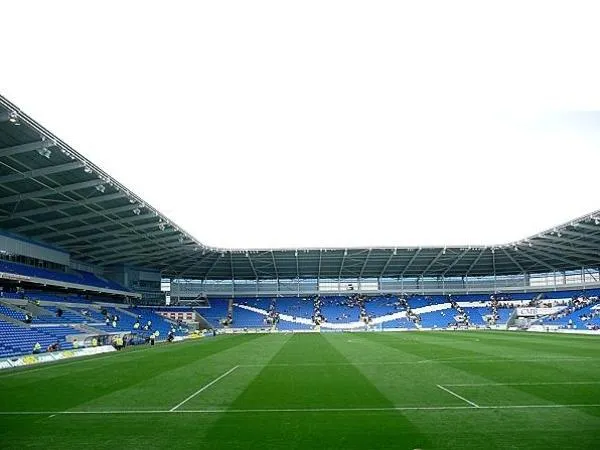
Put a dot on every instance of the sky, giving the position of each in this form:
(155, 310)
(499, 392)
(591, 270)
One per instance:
(324, 123)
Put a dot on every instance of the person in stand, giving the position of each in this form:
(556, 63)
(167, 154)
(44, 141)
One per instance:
(37, 347)
(52, 347)
(59, 312)
(152, 338)
(28, 318)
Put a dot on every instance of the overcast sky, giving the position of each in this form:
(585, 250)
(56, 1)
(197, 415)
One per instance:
(324, 123)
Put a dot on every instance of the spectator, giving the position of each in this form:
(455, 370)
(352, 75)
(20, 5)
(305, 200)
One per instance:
(75, 343)
(37, 347)
(28, 318)
(53, 347)
(59, 312)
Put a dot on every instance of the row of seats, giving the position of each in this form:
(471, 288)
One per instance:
(75, 277)
(46, 328)
(337, 309)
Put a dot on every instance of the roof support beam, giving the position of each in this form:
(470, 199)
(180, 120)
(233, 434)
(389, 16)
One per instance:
(252, 266)
(130, 238)
(41, 172)
(571, 233)
(319, 271)
(94, 226)
(572, 250)
(387, 263)
(24, 148)
(51, 191)
(133, 230)
(297, 266)
(474, 263)
(212, 266)
(342, 264)
(554, 255)
(410, 262)
(455, 261)
(433, 261)
(193, 266)
(362, 269)
(514, 260)
(588, 226)
(275, 265)
(168, 256)
(74, 204)
(104, 251)
(536, 260)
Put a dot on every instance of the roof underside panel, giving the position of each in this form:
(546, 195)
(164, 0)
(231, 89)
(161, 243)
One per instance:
(51, 194)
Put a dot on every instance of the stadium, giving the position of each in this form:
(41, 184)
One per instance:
(121, 330)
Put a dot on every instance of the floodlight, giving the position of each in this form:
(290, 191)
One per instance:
(44, 152)
(13, 118)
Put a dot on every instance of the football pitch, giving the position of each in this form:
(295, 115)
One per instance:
(413, 390)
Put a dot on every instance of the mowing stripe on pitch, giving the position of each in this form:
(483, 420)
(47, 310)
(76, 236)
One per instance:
(203, 388)
(457, 396)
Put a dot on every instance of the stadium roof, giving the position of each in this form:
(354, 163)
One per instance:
(52, 194)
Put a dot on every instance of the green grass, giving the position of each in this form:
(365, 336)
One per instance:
(337, 390)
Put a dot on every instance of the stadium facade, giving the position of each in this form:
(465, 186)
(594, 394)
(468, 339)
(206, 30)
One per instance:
(59, 211)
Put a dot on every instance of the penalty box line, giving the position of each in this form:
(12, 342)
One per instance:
(475, 405)
(203, 388)
(302, 410)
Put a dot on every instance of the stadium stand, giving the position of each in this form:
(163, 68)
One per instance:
(90, 247)
(77, 277)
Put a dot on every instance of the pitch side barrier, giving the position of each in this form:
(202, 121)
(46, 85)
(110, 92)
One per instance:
(29, 360)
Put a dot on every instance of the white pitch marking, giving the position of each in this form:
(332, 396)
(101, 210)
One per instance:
(533, 383)
(305, 410)
(421, 361)
(203, 388)
(457, 396)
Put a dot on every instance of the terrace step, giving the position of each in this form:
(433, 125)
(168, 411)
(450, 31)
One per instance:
(13, 321)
